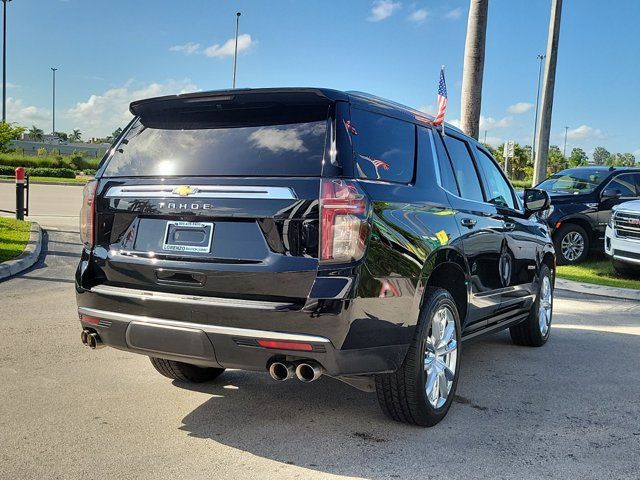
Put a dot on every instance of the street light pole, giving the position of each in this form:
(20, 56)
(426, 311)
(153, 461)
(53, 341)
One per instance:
(4, 61)
(535, 120)
(235, 53)
(54, 100)
(564, 153)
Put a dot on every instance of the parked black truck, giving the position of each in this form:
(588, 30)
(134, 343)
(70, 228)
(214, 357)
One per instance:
(309, 232)
(582, 199)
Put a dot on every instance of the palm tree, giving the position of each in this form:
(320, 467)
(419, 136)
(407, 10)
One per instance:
(473, 68)
(36, 134)
(75, 136)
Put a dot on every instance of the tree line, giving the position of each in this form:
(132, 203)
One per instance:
(520, 167)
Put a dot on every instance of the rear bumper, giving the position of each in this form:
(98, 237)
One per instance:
(220, 332)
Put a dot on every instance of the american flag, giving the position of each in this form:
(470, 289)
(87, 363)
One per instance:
(442, 99)
(380, 163)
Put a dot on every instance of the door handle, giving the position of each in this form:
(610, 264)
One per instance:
(509, 226)
(468, 222)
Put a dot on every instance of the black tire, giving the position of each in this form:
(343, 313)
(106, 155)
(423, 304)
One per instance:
(529, 333)
(625, 270)
(564, 231)
(402, 394)
(184, 372)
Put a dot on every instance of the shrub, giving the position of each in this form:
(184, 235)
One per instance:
(40, 172)
(42, 152)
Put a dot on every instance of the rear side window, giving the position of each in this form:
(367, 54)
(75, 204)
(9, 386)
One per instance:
(384, 147)
(291, 149)
(447, 177)
(464, 169)
(498, 190)
(625, 184)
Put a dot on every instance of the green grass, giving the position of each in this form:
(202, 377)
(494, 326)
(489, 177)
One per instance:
(79, 181)
(14, 235)
(598, 271)
(75, 162)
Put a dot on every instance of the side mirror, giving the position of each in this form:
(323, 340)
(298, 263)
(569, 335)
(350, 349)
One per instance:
(610, 194)
(536, 200)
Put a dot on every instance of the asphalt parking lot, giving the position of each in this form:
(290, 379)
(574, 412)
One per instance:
(568, 410)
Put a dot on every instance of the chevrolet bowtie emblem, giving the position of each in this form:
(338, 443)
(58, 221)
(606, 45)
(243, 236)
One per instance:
(184, 190)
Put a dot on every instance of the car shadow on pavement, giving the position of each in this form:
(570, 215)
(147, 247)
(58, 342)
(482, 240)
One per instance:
(510, 400)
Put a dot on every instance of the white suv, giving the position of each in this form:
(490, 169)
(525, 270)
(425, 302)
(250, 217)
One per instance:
(622, 237)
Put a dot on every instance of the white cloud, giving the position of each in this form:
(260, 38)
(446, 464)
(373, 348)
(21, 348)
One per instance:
(382, 9)
(26, 115)
(455, 122)
(454, 14)
(227, 48)
(519, 108)
(418, 16)
(490, 123)
(278, 139)
(493, 141)
(188, 48)
(101, 114)
(583, 132)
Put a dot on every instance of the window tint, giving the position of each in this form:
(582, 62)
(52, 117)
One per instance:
(464, 169)
(625, 184)
(384, 147)
(295, 149)
(447, 177)
(497, 189)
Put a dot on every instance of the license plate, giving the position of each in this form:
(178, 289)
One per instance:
(192, 237)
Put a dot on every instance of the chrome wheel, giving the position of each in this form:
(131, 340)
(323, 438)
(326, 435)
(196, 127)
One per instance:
(545, 305)
(440, 357)
(572, 246)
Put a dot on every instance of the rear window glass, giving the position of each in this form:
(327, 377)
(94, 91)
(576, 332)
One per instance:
(291, 149)
(384, 147)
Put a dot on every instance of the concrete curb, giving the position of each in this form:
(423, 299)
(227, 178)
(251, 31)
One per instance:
(27, 258)
(600, 290)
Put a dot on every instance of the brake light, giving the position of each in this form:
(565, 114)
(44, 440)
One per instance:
(343, 221)
(87, 214)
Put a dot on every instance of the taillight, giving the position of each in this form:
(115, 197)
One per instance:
(344, 225)
(87, 214)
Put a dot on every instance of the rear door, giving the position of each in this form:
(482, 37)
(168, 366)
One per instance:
(217, 199)
(523, 237)
(481, 227)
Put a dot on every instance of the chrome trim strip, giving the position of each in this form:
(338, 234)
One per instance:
(635, 261)
(203, 191)
(216, 329)
(186, 299)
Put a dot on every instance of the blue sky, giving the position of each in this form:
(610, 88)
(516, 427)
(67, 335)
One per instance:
(110, 53)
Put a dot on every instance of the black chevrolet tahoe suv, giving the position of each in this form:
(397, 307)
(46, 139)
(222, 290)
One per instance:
(582, 200)
(309, 232)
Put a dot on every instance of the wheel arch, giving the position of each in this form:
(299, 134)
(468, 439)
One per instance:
(446, 268)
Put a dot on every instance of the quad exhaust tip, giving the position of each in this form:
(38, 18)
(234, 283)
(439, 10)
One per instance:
(91, 339)
(281, 371)
(309, 372)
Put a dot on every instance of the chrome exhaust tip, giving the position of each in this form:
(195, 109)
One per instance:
(94, 341)
(84, 337)
(281, 371)
(309, 372)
